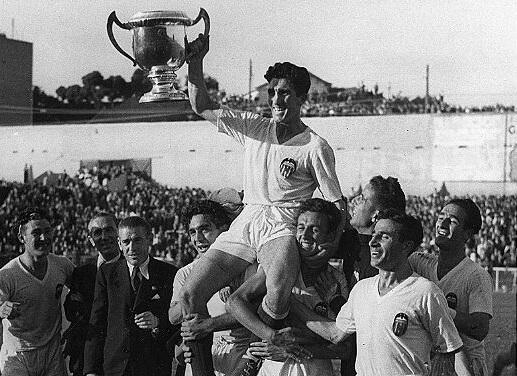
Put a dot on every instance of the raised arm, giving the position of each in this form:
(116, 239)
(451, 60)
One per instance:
(198, 94)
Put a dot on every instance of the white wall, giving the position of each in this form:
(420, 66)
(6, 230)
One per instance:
(421, 150)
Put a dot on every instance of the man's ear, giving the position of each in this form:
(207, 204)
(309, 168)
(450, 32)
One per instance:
(302, 98)
(409, 247)
(374, 216)
(20, 236)
(331, 236)
(469, 233)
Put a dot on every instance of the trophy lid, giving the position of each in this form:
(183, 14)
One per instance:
(159, 17)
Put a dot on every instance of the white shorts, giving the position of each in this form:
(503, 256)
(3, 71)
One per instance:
(255, 226)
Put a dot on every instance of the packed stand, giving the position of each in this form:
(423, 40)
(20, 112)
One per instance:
(361, 102)
(72, 200)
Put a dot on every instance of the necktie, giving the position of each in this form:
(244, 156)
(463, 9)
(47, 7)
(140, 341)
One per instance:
(135, 278)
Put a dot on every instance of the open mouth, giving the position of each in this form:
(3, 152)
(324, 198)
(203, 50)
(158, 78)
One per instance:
(277, 109)
(202, 247)
(442, 232)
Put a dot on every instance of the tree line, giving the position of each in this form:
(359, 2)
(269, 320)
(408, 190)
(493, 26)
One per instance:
(97, 92)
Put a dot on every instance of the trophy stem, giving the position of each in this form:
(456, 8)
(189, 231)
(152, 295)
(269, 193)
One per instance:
(163, 78)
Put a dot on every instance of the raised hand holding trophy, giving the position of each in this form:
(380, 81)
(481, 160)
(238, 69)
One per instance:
(159, 41)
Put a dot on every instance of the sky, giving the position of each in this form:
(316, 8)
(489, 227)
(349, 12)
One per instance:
(469, 45)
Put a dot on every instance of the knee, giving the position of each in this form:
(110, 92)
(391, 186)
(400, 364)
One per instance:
(278, 290)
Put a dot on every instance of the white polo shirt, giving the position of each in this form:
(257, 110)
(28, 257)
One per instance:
(470, 286)
(397, 331)
(278, 174)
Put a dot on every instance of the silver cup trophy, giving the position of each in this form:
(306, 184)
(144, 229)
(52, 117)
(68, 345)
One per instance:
(159, 41)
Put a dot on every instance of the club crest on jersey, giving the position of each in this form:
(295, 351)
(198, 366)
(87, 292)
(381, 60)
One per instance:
(400, 324)
(59, 290)
(287, 167)
(321, 309)
(452, 300)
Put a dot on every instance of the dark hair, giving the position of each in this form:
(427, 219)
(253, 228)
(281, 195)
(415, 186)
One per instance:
(31, 214)
(134, 222)
(318, 205)
(411, 227)
(297, 76)
(104, 215)
(473, 221)
(388, 193)
(212, 209)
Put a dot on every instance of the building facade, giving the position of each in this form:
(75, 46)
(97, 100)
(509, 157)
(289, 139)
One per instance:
(16, 81)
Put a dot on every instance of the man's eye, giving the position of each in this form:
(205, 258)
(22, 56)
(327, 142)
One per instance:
(271, 92)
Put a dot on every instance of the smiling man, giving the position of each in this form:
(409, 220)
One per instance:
(284, 163)
(399, 316)
(206, 220)
(30, 300)
(466, 285)
(316, 224)
(129, 326)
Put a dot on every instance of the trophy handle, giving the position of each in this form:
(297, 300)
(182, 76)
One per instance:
(113, 18)
(203, 15)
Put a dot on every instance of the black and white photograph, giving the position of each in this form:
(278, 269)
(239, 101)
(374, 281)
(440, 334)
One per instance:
(243, 188)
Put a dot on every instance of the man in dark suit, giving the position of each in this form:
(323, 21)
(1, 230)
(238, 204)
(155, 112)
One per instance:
(102, 234)
(129, 325)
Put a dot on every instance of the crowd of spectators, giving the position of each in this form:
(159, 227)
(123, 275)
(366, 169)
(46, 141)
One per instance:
(72, 200)
(364, 102)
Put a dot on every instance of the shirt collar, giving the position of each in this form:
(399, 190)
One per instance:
(101, 260)
(144, 268)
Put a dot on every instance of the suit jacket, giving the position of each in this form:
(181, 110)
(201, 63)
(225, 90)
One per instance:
(78, 304)
(114, 342)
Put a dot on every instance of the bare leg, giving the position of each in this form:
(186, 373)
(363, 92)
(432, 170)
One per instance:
(211, 273)
(281, 262)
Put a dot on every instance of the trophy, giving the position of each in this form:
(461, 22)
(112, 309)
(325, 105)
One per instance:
(159, 41)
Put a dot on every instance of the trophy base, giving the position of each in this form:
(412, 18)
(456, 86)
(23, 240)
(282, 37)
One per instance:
(162, 97)
(163, 79)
